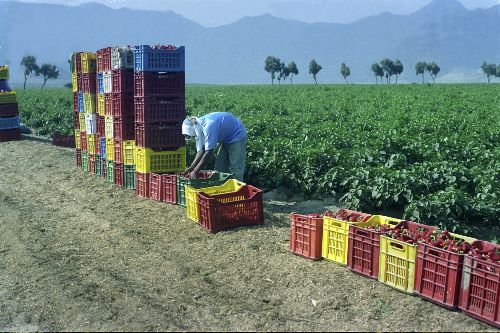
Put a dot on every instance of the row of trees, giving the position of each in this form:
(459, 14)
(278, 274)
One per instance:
(275, 66)
(490, 70)
(48, 71)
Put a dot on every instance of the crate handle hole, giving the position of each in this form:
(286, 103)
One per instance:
(397, 246)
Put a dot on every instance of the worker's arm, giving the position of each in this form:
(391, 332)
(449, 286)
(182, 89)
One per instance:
(197, 159)
(205, 158)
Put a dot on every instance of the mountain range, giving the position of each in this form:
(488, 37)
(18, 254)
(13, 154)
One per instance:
(444, 31)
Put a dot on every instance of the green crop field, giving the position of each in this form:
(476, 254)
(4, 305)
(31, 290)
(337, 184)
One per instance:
(432, 152)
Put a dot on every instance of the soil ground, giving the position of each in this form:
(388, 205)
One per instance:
(80, 254)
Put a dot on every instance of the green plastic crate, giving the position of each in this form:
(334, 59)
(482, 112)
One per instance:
(129, 173)
(209, 179)
(98, 166)
(85, 161)
(110, 175)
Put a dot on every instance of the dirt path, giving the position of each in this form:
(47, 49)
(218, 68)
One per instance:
(79, 254)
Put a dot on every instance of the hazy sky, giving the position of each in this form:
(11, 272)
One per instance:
(211, 13)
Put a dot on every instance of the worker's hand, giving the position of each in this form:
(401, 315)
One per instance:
(194, 174)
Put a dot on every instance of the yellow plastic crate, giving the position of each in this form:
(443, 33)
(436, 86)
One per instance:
(397, 264)
(100, 105)
(91, 144)
(334, 245)
(129, 152)
(78, 144)
(74, 82)
(379, 220)
(148, 160)
(89, 103)
(4, 72)
(110, 149)
(229, 186)
(81, 117)
(8, 97)
(88, 60)
(108, 127)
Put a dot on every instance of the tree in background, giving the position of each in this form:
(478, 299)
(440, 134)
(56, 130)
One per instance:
(281, 71)
(48, 72)
(398, 69)
(30, 67)
(388, 67)
(292, 68)
(345, 71)
(272, 66)
(377, 71)
(314, 69)
(420, 68)
(285, 72)
(489, 70)
(433, 70)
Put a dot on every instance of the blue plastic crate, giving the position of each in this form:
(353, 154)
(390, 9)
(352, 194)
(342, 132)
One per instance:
(80, 102)
(9, 123)
(147, 59)
(100, 84)
(102, 146)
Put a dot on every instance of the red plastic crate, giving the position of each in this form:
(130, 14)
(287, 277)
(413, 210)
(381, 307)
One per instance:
(225, 211)
(103, 59)
(159, 84)
(79, 80)
(83, 141)
(78, 155)
(118, 173)
(306, 233)
(122, 81)
(76, 120)
(75, 102)
(169, 188)
(101, 126)
(155, 109)
(142, 184)
(159, 136)
(89, 82)
(9, 110)
(92, 164)
(123, 104)
(123, 128)
(480, 289)
(79, 64)
(10, 134)
(108, 104)
(104, 168)
(155, 187)
(118, 148)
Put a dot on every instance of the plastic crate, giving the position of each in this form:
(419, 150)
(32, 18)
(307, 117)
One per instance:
(159, 136)
(92, 164)
(306, 234)
(79, 82)
(81, 122)
(7, 123)
(118, 174)
(101, 126)
(89, 103)
(397, 259)
(122, 57)
(110, 149)
(74, 82)
(89, 64)
(78, 62)
(81, 104)
(123, 81)
(142, 184)
(102, 147)
(123, 128)
(101, 109)
(149, 59)
(76, 121)
(118, 155)
(78, 156)
(78, 144)
(148, 160)
(103, 59)
(129, 176)
(128, 152)
(438, 273)
(100, 84)
(107, 82)
(9, 110)
(91, 143)
(8, 97)
(90, 123)
(123, 105)
(110, 171)
(108, 104)
(480, 288)
(89, 83)
(75, 102)
(155, 186)
(98, 165)
(85, 161)
(83, 141)
(229, 186)
(156, 109)
(104, 167)
(205, 178)
(364, 245)
(63, 140)
(230, 210)
(169, 188)
(12, 134)
(108, 127)
(159, 84)
(335, 243)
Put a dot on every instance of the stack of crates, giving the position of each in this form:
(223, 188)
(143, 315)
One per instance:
(159, 109)
(103, 94)
(10, 126)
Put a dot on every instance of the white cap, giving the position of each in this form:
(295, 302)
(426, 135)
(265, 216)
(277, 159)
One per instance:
(188, 127)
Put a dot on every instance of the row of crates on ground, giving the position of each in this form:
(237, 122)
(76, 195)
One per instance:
(449, 276)
(10, 125)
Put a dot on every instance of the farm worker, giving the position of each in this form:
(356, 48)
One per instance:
(217, 128)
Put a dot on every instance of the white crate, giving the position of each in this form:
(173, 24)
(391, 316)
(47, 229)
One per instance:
(91, 123)
(107, 82)
(122, 57)
(108, 127)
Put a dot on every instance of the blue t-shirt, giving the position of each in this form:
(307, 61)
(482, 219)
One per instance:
(221, 127)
